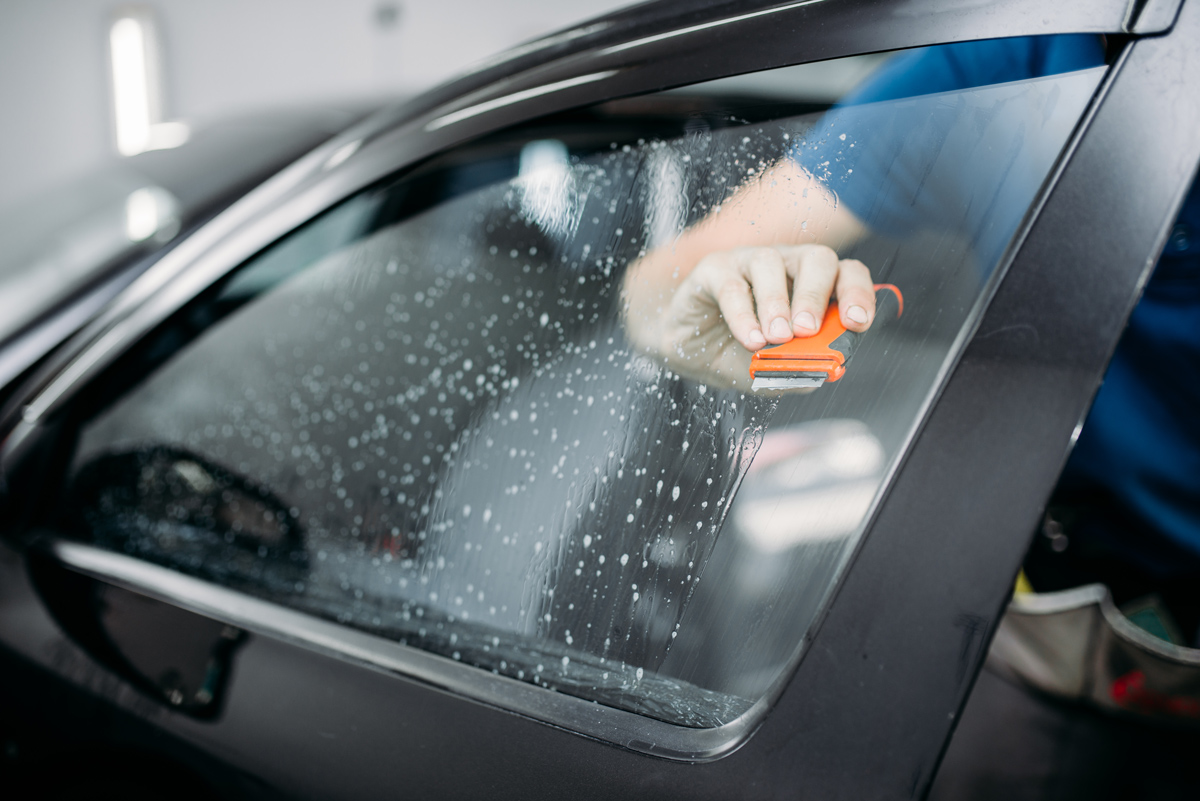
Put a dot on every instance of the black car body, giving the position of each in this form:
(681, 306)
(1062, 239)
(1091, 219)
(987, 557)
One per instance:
(216, 663)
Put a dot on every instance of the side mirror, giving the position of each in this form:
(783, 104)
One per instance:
(171, 507)
(174, 656)
(174, 508)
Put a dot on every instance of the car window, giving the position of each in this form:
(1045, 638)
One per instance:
(422, 414)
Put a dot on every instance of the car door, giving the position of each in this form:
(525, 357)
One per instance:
(372, 489)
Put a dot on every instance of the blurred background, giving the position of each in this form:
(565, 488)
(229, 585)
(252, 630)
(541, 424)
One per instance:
(62, 63)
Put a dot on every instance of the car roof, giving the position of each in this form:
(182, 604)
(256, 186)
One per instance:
(684, 40)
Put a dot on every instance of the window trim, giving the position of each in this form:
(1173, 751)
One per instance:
(617, 726)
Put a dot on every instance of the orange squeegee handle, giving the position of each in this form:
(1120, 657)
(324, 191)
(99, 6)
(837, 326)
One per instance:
(895, 291)
(847, 342)
(826, 351)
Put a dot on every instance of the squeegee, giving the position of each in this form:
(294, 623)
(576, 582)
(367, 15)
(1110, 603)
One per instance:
(808, 362)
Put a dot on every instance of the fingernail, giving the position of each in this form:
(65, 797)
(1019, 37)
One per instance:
(806, 321)
(780, 328)
(857, 313)
(756, 339)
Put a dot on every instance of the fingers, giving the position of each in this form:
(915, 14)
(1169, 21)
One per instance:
(856, 295)
(768, 280)
(717, 277)
(814, 271)
(749, 288)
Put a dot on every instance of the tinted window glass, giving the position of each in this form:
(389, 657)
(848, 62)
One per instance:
(430, 415)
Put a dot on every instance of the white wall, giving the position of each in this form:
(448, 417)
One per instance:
(225, 56)
(54, 116)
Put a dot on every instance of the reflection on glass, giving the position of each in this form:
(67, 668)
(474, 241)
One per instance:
(809, 483)
(137, 86)
(134, 102)
(475, 458)
(151, 212)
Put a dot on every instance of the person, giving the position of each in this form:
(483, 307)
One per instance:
(1127, 505)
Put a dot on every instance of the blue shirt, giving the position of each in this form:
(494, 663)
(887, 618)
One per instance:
(1139, 452)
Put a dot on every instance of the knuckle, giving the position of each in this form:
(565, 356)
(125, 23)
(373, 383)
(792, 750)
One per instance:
(773, 291)
(773, 306)
(855, 294)
(810, 299)
(820, 266)
(710, 263)
(760, 257)
(820, 254)
(731, 289)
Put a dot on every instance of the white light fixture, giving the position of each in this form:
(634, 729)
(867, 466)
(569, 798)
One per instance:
(151, 212)
(549, 194)
(137, 86)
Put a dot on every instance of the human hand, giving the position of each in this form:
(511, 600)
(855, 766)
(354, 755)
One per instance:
(735, 302)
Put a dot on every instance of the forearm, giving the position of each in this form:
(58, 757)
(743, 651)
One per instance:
(785, 205)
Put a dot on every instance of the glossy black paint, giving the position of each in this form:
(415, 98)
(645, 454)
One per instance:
(759, 31)
(63, 742)
(657, 46)
(875, 697)
(174, 657)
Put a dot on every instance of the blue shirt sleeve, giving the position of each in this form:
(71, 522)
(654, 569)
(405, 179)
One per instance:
(946, 68)
(879, 159)
(1140, 448)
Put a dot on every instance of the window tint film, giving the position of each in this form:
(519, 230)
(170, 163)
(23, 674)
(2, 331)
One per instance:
(440, 412)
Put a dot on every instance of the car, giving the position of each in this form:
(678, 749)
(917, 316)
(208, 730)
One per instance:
(372, 484)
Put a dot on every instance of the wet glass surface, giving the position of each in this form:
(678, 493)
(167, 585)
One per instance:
(425, 417)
